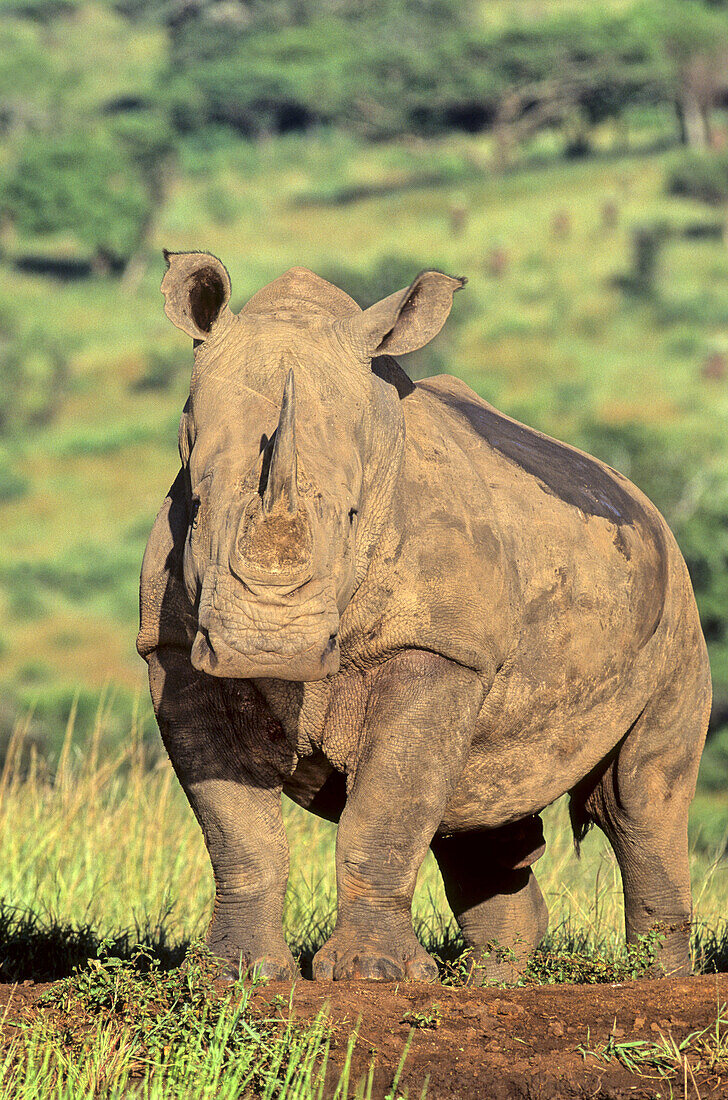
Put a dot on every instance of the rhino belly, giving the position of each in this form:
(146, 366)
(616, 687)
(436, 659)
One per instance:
(318, 787)
(529, 750)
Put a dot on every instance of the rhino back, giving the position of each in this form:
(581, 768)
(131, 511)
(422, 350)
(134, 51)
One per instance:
(512, 540)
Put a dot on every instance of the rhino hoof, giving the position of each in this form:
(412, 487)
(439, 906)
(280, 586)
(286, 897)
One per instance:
(269, 967)
(373, 964)
(422, 968)
(273, 970)
(378, 968)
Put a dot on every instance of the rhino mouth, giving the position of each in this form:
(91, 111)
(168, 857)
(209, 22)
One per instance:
(242, 639)
(217, 657)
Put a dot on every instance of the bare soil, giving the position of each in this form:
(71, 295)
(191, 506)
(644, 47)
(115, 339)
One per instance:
(494, 1043)
(511, 1043)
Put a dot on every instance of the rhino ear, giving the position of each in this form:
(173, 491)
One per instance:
(196, 291)
(406, 320)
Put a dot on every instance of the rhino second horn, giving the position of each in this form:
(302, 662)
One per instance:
(281, 486)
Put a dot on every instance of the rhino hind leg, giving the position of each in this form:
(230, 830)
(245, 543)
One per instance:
(640, 801)
(495, 897)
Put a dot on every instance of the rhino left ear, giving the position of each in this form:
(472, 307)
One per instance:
(196, 291)
(404, 321)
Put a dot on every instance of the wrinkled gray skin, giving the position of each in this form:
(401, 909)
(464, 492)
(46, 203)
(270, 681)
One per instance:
(417, 618)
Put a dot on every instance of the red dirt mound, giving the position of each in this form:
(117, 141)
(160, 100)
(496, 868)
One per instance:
(503, 1044)
(523, 1043)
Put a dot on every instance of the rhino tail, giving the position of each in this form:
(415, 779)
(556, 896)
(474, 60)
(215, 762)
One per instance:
(582, 817)
(581, 821)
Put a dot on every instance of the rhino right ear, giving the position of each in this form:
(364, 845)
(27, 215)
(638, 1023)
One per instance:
(404, 321)
(196, 291)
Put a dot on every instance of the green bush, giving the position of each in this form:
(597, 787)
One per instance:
(13, 484)
(81, 183)
(700, 175)
(34, 380)
(714, 765)
(162, 368)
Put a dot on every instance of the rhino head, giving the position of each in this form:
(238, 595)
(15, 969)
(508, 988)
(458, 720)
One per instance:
(291, 446)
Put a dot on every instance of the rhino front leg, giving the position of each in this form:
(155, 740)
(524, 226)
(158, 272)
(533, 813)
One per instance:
(223, 746)
(420, 717)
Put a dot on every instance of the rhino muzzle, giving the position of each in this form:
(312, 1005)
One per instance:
(245, 631)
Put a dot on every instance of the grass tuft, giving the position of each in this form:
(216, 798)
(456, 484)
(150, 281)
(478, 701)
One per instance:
(126, 1025)
(703, 1051)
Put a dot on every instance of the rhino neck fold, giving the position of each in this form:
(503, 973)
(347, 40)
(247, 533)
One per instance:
(382, 472)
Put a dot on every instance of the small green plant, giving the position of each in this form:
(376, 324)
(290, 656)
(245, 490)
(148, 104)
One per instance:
(461, 969)
(556, 961)
(425, 1020)
(594, 966)
(705, 1050)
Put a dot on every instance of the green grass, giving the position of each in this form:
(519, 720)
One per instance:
(704, 1050)
(116, 1028)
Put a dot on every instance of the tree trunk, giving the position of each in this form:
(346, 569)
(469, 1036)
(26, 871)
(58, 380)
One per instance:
(693, 120)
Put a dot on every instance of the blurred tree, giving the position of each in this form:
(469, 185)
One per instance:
(694, 38)
(582, 67)
(83, 183)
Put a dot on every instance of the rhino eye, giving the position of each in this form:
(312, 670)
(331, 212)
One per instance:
(195, 509)
(353, 512)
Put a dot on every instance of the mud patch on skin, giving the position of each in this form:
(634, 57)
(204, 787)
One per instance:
(582, 483)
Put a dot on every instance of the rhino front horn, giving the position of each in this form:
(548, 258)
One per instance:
(281, 489)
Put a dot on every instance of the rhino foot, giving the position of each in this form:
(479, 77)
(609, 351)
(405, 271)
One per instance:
(347, 956)
(275, 965)
(493, 966)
